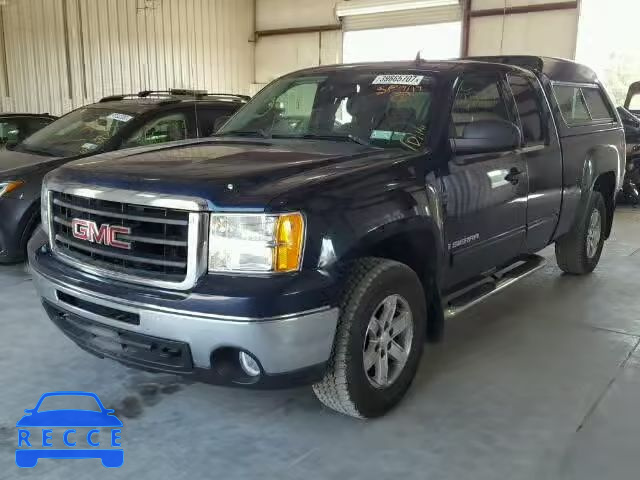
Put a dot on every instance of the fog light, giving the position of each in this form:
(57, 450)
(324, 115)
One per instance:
(249, 364)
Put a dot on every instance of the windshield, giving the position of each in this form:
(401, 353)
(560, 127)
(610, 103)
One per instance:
(81, 131)
(388, 110)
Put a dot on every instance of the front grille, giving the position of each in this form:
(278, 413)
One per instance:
(158, 239)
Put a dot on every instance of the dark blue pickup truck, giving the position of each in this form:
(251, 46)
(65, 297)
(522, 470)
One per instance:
(332, 224)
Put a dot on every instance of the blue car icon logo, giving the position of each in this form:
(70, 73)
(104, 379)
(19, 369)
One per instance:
(34, 444)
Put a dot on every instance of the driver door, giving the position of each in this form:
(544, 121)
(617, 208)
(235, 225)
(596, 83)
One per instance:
(486, 193)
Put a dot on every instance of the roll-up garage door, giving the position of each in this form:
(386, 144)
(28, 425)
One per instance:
(375, 14)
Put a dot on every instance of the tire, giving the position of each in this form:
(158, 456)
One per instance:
(574, 254)
(346, 387)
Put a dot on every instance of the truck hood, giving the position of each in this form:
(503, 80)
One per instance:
(16, 163)
(226, 172)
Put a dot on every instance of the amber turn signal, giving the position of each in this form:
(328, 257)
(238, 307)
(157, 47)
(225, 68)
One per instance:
(289, 242)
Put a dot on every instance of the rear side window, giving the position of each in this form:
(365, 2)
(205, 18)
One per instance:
(479, 98)
(528, 104)
(582, 105)
(572, 104)
(597, 104)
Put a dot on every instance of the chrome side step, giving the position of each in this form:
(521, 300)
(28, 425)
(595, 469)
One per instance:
(466, 298)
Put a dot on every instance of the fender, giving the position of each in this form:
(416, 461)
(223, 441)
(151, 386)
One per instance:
(416, 240)
(601, 159)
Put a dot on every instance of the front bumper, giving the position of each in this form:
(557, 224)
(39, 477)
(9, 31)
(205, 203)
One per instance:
(290, 348)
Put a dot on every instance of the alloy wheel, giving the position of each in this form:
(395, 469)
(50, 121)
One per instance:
(388, 341)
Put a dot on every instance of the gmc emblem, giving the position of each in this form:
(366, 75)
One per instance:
(106, 235)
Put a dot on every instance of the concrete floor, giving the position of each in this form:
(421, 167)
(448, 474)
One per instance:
(539, 382)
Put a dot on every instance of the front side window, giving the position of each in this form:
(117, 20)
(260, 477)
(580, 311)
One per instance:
(388, 110)
(479, 98)
(168, 128)
(210, 118)
(82, 131)
(529, 109)
(32, 125)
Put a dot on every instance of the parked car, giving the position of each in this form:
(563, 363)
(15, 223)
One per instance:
(326, 250)
(631, 125)
(15, 127)
(632, 101)
(115, 123)
(630, 192)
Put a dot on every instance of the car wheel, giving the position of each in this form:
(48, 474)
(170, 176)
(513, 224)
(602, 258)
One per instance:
(379, 339)
(578, 252)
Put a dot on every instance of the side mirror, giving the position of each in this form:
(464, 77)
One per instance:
(219, 122)
(486, 136)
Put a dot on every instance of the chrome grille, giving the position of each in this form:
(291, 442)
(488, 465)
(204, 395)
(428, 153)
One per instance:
(159, 239)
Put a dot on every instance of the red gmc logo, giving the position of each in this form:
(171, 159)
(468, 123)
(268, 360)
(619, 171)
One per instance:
(106, 235)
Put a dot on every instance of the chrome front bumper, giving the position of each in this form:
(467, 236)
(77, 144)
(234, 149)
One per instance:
(280, 344)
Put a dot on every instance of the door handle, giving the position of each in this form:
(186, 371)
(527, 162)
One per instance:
(512, 176)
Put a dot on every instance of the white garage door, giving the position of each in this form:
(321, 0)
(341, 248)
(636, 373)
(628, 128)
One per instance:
(377, 30)
(400, 18)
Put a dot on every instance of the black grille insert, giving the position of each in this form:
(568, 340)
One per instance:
(133, 348)
(158, 238)
(107, 312)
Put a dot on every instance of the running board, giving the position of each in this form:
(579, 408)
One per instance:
(469, 296)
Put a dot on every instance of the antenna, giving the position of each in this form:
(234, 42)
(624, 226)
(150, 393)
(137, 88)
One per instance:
(418, 58)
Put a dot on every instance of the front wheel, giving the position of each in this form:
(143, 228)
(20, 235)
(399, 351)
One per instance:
(379, 339)
(578, 252)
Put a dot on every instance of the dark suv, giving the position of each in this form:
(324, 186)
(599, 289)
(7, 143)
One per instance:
(115, 123)
(333, 223)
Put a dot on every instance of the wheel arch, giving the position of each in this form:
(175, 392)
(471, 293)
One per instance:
(416, 242)
(600, 173)
(605, 183)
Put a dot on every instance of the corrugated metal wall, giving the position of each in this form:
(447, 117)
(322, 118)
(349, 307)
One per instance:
(61, 54)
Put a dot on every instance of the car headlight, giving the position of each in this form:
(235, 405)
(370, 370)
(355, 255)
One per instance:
(7, 187)
(256, 243)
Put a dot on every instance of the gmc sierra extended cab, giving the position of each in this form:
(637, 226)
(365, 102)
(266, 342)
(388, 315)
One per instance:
(332, 224)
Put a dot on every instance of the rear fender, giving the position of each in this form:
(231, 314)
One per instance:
(602, 160)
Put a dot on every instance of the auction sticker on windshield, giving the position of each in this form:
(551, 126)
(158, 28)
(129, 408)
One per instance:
(121, 117)
(397, 80)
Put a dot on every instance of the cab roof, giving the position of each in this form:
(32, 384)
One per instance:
(556, 69)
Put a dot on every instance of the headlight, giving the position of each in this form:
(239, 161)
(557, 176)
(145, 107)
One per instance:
(260, 243)
(6, 187)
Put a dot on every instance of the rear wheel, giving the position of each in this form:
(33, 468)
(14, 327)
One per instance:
(379, 339)
(578, 252)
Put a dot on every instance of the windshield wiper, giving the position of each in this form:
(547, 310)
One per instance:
(340, 138)
(244, 133)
